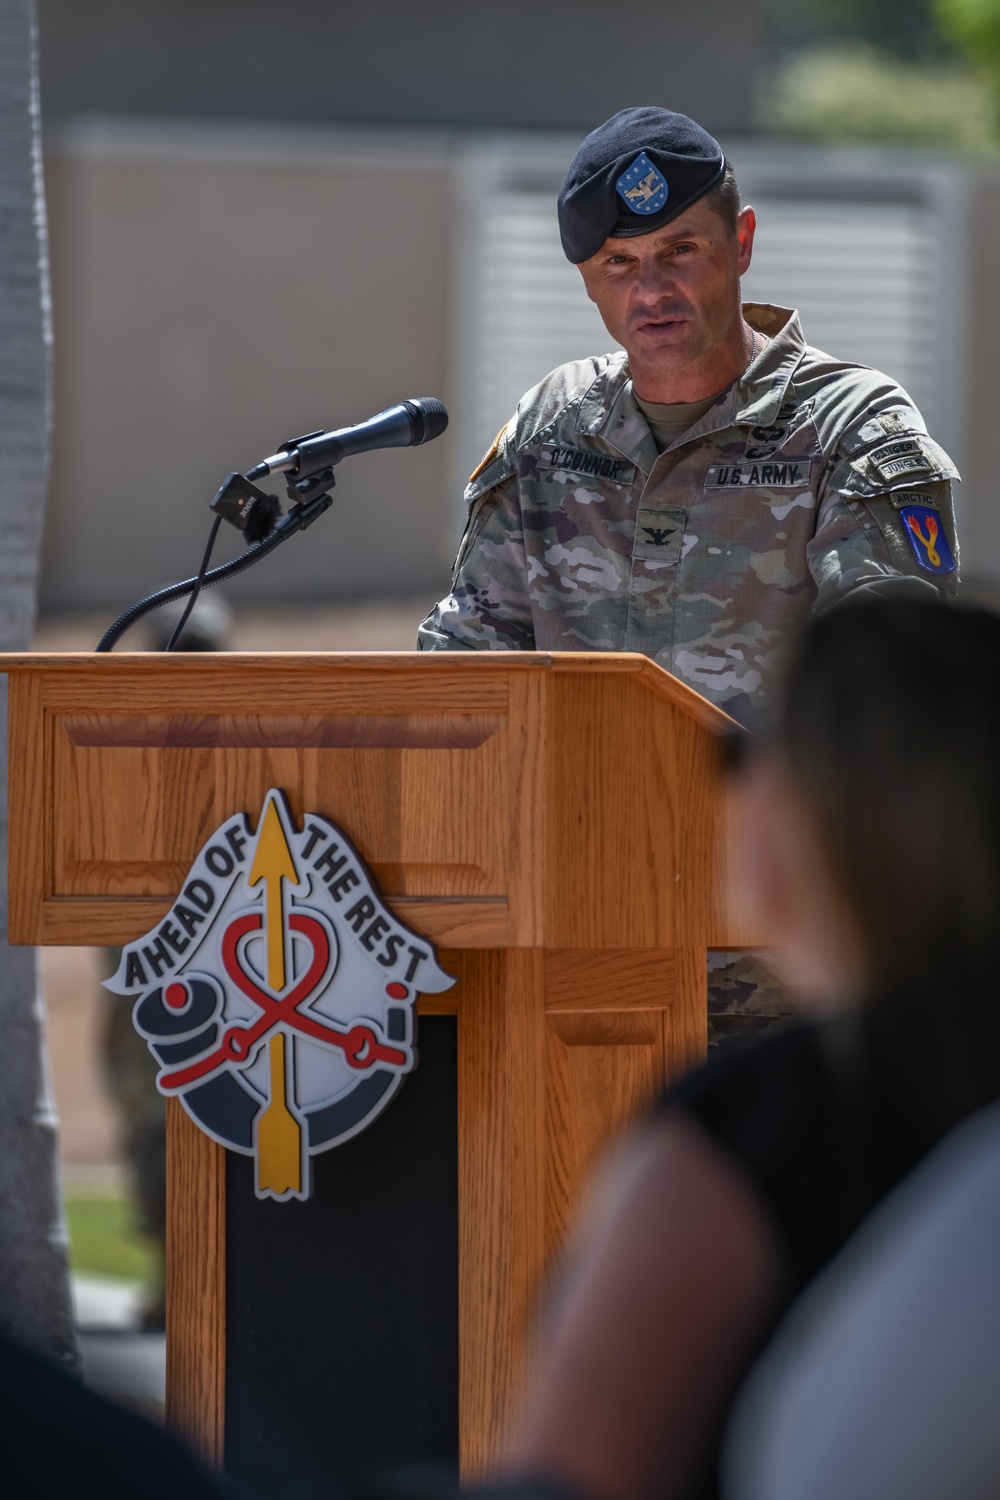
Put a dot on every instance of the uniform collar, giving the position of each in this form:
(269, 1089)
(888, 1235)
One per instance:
(609, 408)
(760, 390)
(609, 411)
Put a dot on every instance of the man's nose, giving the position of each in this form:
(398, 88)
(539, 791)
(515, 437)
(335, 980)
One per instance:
(655, 280)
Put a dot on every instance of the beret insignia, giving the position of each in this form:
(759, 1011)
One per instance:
(643, 187)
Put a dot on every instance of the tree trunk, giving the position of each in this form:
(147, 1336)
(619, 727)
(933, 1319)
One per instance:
(34, 1282)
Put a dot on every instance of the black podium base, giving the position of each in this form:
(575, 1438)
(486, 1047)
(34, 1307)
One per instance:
(342, 1312)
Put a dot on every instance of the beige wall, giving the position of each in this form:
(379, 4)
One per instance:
(219, 288)
(216, 290)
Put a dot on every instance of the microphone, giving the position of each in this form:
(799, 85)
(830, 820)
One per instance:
(402, 426)
(307, 464)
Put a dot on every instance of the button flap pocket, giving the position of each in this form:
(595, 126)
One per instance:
(659, 535)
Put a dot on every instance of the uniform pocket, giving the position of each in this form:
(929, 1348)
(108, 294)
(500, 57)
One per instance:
(659, 535)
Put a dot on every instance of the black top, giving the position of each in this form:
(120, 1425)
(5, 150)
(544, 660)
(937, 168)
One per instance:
(824, 1120)
(821, 1131)
(59, 1440)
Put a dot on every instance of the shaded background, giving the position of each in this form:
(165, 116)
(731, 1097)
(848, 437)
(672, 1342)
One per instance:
(260, 218)
(267, 219)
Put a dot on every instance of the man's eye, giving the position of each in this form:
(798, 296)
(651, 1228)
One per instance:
(682, 249)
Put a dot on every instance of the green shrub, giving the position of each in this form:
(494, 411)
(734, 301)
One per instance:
(103, 1238)
(856, 94)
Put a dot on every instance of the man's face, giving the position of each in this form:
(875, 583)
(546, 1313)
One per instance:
(672, 296)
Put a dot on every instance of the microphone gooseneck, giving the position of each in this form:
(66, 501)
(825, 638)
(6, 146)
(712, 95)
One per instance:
(296, 520)
(307, 463)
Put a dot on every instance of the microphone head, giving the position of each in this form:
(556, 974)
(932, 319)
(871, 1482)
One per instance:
(430, 418)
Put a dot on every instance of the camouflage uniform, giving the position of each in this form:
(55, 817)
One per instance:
(782, 498)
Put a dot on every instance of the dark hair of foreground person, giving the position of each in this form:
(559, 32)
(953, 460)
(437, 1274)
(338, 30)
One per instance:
(872, 820)
(890, 728)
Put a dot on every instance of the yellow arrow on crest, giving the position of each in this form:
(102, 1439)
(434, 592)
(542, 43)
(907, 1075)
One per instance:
(272, 862)
(279, 1135)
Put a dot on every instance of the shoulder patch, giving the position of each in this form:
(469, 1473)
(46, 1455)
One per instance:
(926, 537)
(895, 422)
(902, 456)
(917, 527)
(489, 455)
(900, 498)
(894, 464)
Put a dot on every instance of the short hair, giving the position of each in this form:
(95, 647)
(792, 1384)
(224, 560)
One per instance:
(725, 198)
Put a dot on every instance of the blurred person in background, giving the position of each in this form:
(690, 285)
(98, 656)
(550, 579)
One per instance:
(128, 1067)
(872, 815)
(696, 496)
(883, 1383)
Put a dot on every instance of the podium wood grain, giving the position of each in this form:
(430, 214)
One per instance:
(556, 823)
(196, 1284)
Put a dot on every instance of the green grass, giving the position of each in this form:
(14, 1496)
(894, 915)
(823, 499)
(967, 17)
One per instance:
(103, 1238)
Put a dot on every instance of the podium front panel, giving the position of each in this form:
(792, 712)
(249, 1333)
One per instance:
(342, 1312)
(502, 799)
(556, 825)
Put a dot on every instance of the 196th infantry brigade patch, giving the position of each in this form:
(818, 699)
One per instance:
(279, 994)
(929, 543)
(643, 187)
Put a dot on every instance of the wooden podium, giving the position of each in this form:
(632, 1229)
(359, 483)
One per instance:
(554, 823)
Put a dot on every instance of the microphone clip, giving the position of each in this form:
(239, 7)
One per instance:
(308, 511)
(309, 478)
(308, 485)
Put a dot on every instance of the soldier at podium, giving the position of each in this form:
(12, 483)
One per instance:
(697, 495)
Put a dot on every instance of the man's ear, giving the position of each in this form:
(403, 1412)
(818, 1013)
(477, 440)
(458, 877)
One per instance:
(746, 228)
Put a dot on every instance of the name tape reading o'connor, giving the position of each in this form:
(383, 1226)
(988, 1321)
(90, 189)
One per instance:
(576, 461)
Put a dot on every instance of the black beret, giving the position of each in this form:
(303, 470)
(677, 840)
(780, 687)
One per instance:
(633, 174)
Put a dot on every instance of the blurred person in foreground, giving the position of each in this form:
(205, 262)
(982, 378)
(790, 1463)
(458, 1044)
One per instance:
(884, 1381)
(59, 1440)
(872, 814)
(694, 497)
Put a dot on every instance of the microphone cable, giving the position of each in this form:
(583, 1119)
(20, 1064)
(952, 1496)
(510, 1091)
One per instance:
(308, 463)
(199, 581)
(297, 519)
